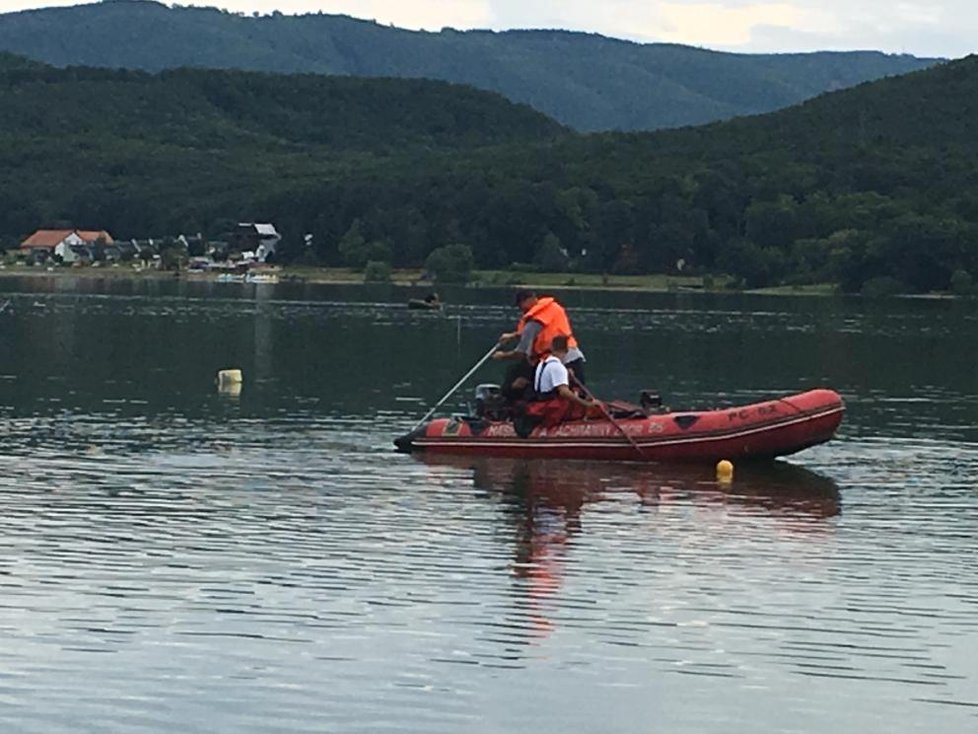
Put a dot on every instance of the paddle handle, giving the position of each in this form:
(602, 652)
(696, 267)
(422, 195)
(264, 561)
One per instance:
(456, 386)
(590, 396)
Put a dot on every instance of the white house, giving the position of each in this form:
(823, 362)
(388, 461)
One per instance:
(61, 241)
(261, 238)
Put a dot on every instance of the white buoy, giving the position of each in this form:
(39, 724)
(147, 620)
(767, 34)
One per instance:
(229, 381)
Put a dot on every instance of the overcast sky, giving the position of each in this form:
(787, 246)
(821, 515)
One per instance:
(946, 28)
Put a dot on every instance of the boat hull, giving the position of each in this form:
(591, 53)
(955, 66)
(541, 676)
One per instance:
(762, 430)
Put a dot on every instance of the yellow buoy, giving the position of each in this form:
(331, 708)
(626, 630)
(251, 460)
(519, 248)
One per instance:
(725, 471)
(229, 381)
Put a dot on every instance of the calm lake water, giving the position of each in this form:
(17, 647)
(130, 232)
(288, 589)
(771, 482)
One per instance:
(177, 560)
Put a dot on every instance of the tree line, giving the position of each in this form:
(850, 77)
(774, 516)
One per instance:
(872, 189)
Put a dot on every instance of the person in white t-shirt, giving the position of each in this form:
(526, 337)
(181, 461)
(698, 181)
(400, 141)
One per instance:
(552, 380)
(553, 400)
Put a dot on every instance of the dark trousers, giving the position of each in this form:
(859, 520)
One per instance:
(523, 369)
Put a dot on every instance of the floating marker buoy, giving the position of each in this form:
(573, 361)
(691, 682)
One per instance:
(724, 471)
(233, 390)
(229, 381)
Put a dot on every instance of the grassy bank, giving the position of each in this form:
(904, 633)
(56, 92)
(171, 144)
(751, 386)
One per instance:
(413, 278)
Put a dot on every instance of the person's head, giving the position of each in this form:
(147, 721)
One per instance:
(524, 299)
(558, 347)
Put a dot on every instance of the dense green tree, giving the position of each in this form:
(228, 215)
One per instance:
(772, 223)
(962, 284)
(173, 257)
(377, 271)
(756, 266)
(357, 251)
(550, 256)
(450, 264)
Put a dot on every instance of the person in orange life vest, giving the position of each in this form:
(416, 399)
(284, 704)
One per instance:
(542, 320)
(554, 401)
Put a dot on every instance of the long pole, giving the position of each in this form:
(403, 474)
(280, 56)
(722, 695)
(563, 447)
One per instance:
(590, 396)
(456, 386)
(4, 306)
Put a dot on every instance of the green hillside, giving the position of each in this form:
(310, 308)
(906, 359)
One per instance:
(586, 81)
(873, 188)
(149, 153)
(219, 109)
(877, 181)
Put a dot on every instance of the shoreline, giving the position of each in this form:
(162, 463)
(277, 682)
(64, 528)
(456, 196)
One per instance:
(411, 280)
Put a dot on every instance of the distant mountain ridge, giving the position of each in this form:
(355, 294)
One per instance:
(586, 81)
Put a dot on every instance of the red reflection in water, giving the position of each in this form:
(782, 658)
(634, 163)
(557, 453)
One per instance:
(547, 499)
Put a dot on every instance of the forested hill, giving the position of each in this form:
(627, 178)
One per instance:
(871, 187)
(215, 109)
(874, 184)
(178, 150)
(583, 80)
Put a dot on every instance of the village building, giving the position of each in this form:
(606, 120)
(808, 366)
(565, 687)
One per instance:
(256, 241)
(68, 245)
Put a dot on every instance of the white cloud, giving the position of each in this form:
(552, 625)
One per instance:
(923, 27)
(945, 28)
(932, 27)
(715, 24)
(10, 6)
(610, 17)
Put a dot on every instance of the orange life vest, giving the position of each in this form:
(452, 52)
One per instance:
(554, 321)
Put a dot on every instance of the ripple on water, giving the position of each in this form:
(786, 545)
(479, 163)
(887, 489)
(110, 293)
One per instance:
(186, 561)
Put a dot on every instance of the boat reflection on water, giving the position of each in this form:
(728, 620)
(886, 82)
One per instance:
(546, 503)
(777, 487)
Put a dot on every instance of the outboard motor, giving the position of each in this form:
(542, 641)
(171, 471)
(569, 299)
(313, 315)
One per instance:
(650, 400)
(489, 402)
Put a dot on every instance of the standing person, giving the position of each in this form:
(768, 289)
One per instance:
(542, 320)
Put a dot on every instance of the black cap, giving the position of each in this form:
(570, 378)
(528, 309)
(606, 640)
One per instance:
(521, 295)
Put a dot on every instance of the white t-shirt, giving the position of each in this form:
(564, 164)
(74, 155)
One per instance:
(550, 375)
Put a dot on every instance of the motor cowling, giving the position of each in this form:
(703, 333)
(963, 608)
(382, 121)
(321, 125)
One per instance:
(650, 400)
(489, 402)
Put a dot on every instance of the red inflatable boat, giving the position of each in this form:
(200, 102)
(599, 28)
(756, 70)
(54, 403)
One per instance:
(761, 430)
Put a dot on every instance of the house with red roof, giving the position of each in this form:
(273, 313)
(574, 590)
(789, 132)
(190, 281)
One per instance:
(68, 244)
